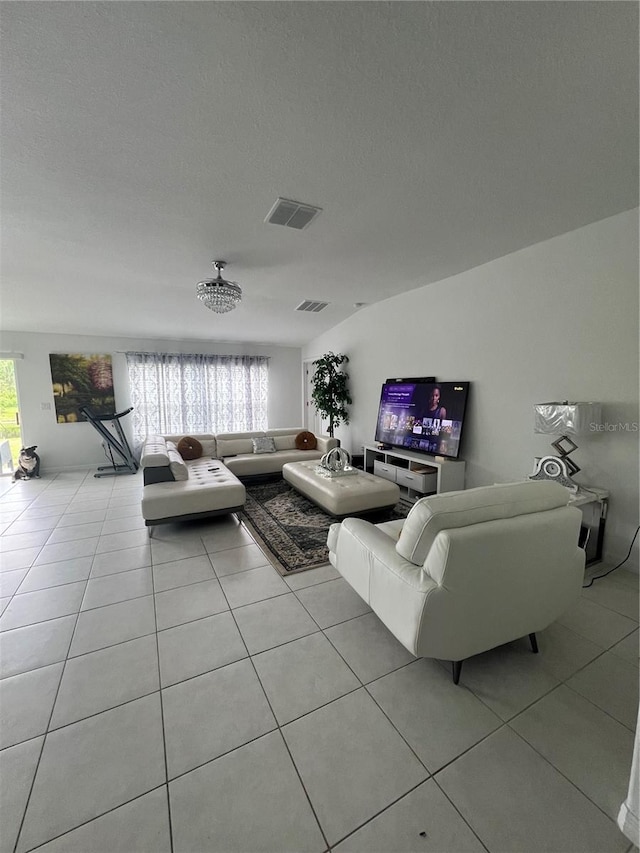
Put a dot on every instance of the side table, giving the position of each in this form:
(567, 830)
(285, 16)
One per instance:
(598, 501)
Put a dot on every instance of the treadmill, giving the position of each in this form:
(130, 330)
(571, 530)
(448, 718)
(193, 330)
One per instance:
(114, 442)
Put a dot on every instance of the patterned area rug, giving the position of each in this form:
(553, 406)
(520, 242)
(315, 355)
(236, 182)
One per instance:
(291, 530)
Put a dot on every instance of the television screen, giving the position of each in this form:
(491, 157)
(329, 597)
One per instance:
(423, 416)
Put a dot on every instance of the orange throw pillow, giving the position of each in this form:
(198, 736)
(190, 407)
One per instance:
(189, 448)
(306, 440)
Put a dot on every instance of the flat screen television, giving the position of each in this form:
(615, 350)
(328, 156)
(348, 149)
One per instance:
(423, 416)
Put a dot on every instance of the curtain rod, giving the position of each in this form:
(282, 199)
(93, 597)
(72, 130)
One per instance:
(155, 352)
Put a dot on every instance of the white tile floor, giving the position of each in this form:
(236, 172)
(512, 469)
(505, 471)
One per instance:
(177, 694)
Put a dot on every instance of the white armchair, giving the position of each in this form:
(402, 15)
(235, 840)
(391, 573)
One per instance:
(467, 571)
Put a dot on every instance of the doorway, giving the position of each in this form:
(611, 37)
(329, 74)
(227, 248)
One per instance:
(10, 428)
(312, 420)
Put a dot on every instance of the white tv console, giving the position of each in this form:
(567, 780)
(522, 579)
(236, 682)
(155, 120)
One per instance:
(415, 473)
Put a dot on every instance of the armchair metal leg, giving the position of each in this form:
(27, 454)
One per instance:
(457, 666)
(534, 643)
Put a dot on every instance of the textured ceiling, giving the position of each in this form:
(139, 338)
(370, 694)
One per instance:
(140, 140)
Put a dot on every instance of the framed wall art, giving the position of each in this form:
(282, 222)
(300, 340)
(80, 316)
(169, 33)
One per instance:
(81, 379)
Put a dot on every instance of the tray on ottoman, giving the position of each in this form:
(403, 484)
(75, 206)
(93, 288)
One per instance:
(340, 496)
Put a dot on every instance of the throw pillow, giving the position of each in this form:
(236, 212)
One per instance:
(263, 444)
(189, 448)
(306, 440)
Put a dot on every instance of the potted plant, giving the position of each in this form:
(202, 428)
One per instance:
(330, 394)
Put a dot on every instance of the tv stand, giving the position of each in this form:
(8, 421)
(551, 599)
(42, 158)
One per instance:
(416, 473)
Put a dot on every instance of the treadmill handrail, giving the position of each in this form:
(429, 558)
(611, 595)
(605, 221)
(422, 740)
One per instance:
(114, 417)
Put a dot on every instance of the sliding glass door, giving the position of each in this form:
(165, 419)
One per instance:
(10, 430)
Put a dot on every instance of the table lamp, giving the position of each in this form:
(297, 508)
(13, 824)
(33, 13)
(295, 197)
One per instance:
(563, 419)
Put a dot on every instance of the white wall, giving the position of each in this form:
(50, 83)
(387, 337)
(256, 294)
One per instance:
(555, 321)
(79, 445)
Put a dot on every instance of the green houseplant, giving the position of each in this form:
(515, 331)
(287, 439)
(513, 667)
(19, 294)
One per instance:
(330, 393)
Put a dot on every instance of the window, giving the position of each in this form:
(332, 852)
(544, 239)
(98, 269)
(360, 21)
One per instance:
(173, 393)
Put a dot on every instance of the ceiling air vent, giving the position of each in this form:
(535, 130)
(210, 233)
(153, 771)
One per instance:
(314, 307)
(292, 214)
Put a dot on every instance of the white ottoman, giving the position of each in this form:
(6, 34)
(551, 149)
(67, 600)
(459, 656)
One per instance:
(339, 496)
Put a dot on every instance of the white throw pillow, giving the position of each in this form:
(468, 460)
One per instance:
(263, 444)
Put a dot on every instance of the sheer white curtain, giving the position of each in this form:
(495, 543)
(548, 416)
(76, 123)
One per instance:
(174, 393)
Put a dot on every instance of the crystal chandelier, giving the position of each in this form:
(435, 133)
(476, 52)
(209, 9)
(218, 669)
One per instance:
(216, 293)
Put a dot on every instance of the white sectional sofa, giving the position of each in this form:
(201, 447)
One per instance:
(236, 451)
(176, 489)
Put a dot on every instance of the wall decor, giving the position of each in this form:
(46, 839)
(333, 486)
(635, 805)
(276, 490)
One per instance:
(81, 379)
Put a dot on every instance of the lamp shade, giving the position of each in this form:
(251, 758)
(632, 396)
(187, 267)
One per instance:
(566, 418)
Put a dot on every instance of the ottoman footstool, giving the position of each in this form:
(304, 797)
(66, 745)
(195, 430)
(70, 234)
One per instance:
(340, 496)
